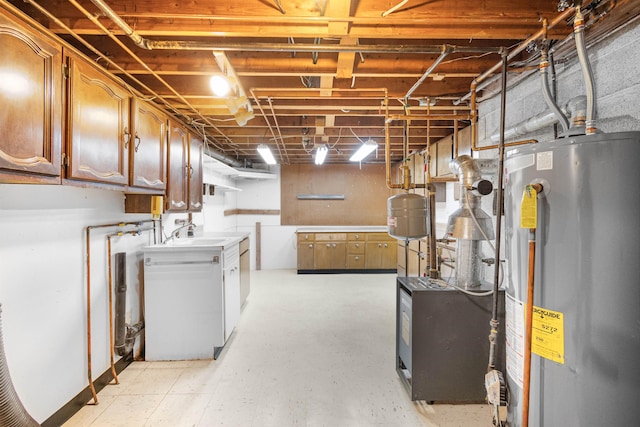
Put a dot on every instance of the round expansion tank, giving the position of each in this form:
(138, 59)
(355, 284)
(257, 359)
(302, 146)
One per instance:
(586, 321)
(407, 216)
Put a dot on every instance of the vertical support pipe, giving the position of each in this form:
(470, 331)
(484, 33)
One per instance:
(526, 389)
(494, 324)
(110, 296)
(89, 367)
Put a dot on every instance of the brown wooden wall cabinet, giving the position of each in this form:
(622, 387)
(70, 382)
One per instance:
(97, 122)
(184, 170)
(196, 150)
(31, 90)
(148, 146)
(177, 168)
(346, 252)
(111, 138)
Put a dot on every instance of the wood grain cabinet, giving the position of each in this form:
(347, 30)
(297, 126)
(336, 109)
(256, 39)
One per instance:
(344, 252)
(177, 195)
(184, 170)
(381, 251)
(306, 246)
(31, 89)
(330, 251)
(98, 129)
(147, 147)
(196, 149)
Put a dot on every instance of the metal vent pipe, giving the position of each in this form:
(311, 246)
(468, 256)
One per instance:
(12, 412)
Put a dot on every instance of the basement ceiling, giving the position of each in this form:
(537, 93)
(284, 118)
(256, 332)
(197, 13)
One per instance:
(335, 72)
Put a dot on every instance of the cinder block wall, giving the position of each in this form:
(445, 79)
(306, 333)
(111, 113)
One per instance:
(614, 61)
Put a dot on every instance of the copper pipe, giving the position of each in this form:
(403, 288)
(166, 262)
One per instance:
(275, 121)
(430, 117)
(455, 138)
(508, 144)
(526, 389)
(89, 367)
(522, 46)
(266, 120)
(88, 265)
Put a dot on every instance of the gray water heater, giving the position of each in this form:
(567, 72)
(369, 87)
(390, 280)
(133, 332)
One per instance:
(408, 216)
(586, 321)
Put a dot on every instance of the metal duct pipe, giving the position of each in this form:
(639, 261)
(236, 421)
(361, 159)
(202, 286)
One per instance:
(575, 108)
(121, 303)
(12, 412)
(125, 334)
(587, 72)
(469, 224)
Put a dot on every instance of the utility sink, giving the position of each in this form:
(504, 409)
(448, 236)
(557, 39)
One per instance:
(196, 241)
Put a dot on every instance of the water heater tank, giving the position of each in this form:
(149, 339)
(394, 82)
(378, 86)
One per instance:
(408, 216)
(586, 321)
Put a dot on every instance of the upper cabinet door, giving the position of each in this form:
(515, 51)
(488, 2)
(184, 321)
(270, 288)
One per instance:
(177, 168)
(195, 174)
(98, 125)
(31, 100)
(147, 147)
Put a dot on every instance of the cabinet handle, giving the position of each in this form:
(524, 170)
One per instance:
(379, 245)
(127, 137)
(310, 245)
(328, 245)
(334, 245)
(189, 169)
(386, 245)
(137, 142)
(357, 245)
(357, 236)
(357, 258)
(306, 237)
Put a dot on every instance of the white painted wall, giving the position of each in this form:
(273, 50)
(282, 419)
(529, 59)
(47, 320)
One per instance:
(43, 287)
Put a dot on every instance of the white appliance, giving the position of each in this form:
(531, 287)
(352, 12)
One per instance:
(191, 300)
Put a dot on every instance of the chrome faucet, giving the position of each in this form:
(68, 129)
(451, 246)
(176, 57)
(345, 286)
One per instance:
(176, 233)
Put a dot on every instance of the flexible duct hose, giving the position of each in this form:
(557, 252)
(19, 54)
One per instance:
(12, 413)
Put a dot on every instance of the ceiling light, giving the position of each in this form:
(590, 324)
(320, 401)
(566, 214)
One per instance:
(220, 85)
(266, 154)
(321, 154)
(365, 149)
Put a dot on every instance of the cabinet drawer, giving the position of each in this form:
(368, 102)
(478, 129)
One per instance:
(355, 247)
(355, 236)
(355, 262)
(323, 237)
(306, 237)
(379, 237)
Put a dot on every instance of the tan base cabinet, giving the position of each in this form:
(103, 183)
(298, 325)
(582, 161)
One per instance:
(344, 252)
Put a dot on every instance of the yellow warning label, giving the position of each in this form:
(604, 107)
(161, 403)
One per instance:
(529, 208)
(547, 336)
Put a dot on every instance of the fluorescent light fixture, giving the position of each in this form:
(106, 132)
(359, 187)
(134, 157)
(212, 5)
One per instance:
(365, 149)
(321, 154)
(266, 154)
(220, 85)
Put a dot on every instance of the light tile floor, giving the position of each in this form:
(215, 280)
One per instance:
(310, 350)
